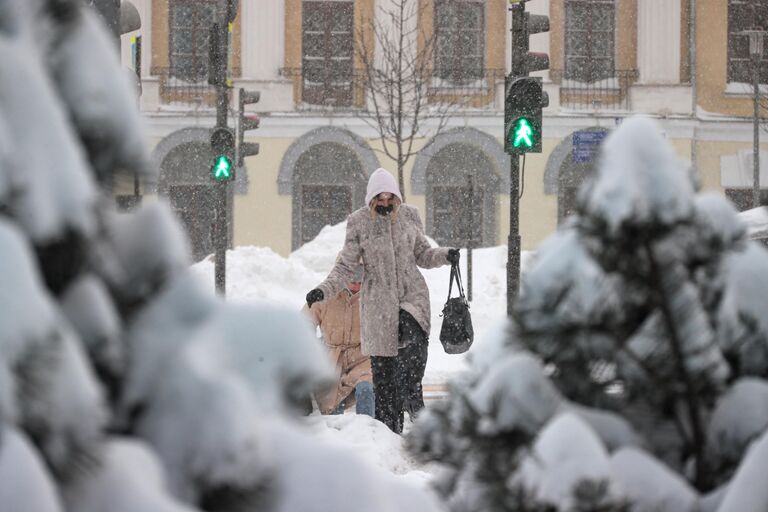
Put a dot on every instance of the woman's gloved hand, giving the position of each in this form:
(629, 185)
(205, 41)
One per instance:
(453, 256)
(315, 295)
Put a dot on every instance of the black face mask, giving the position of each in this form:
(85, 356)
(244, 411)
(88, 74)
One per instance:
(384, 210)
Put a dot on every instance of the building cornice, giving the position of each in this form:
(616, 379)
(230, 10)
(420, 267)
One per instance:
(296, 124)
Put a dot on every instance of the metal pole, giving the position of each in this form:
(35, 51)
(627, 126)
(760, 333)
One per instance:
(137, 69)
(513, 243)
(220, 188)
(756, 132)
(470, 242)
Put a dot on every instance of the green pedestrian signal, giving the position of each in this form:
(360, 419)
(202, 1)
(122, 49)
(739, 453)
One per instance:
(523, 103)
(522, 134)
(222, 168)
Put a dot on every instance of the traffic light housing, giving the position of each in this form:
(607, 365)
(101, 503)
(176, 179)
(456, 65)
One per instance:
(523, 106)
(129, 18)
(121, 17)
(524, 96)
(223, 148)
(245, 122)
(524, 25)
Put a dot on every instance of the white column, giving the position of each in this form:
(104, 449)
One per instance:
(658, 45)
(263, 38)
(386, 23)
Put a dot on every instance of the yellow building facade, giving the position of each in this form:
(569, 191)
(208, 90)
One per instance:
(674, 60)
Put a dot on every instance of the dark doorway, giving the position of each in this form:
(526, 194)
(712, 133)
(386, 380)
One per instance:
(329, 183)
(458, 216)
(194, 206)
(461, 202)
(323, 205)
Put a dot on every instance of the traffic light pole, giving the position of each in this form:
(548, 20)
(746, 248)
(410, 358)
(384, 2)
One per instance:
(221, 187)
(513, 242)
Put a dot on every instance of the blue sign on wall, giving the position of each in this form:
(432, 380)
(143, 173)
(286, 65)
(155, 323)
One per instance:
(586, 145)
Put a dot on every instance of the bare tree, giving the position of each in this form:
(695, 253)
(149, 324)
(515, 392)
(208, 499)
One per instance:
(396, 57)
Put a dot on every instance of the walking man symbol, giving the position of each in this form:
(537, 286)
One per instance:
(523, 134)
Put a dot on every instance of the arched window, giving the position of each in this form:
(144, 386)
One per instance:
(329, 184)
(572, 176)
(184, 178)
(461, 198)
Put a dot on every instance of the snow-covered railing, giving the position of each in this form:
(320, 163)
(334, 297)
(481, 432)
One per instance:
(604, 93)
(326, 87)
(177, 88)
(471, 88)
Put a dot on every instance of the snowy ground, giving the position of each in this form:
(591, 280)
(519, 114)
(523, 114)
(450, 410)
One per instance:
(756, 220)
(259, 275)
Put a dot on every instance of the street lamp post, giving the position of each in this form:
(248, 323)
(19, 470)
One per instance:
(756, 53)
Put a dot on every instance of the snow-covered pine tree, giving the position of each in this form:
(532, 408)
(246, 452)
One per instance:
(646, 315)
(125, 386)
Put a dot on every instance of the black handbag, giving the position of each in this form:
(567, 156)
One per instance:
(456, 333)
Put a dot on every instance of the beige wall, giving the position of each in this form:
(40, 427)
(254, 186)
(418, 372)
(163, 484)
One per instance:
(538, 212)
(712, 61)
(709, 153)
(263, 217)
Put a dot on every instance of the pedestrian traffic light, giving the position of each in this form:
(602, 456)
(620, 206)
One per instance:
(223, 147)
(524, 25)
(245, 122)
(222, 168)
(525, 98)
(522, 115)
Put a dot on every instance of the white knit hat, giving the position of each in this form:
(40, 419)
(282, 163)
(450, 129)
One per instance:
(381, 181)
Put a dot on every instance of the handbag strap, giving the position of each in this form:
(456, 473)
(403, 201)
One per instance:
(455, 274)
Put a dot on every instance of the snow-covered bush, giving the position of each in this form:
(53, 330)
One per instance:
(643, 326)
(124, 384)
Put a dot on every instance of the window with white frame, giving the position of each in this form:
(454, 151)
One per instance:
(745, 15)
(459, 43)
(589, 39)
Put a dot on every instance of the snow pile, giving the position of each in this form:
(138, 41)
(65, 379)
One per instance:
(258, 275)
(756, 221)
